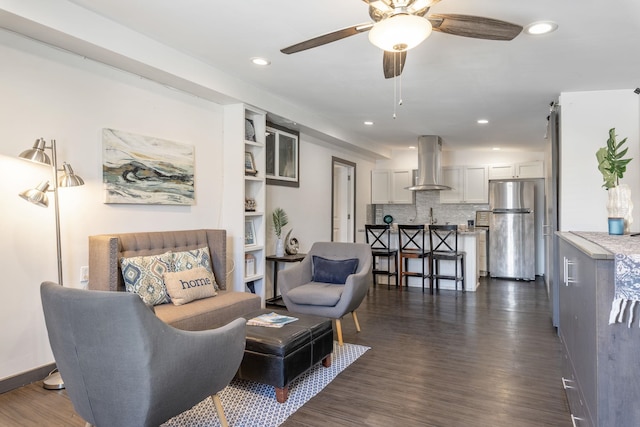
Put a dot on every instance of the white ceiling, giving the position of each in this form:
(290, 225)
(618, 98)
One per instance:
(448, 82)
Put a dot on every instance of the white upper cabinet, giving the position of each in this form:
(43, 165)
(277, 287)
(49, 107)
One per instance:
(389, 186)
(469, 184)
(519, 170)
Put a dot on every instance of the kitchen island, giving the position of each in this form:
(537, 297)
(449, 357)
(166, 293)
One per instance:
(598, 328)
(468, 242)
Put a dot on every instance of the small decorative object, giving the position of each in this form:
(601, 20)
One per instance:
(249, 233)
(249, 205)
(249, 164)
(388, 219)
(249, 130)
(249, 265)
(291, 244)
(280, 219)
(613, 165)
(616, 226)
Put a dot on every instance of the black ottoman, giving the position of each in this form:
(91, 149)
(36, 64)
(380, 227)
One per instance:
(277, 356)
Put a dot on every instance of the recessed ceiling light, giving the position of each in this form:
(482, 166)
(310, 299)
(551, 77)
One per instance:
(483, 121)
(412, 147)
(540, 27)
(368, 123)
(260, 61)
(496, 148)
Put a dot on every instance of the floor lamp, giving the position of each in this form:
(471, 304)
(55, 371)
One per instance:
(38, 196)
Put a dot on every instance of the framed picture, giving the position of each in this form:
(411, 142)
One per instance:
(249, 164)
(249, 233)
(139, 169)
(283, 155)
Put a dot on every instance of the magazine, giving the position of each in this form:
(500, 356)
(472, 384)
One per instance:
(271, 320)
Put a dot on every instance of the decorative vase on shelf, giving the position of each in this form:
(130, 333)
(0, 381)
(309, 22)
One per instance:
(620, 205)
(279, 247)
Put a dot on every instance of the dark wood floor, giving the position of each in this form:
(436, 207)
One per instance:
(489, 358)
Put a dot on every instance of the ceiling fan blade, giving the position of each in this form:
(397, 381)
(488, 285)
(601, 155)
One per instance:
(393, 63)
(379, 5)
(327, 38)
(474, 26)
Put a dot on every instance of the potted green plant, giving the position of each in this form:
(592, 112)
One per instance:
(613, 164)
(280, 220)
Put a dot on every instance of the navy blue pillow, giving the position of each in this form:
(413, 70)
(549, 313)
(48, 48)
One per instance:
(333, 270)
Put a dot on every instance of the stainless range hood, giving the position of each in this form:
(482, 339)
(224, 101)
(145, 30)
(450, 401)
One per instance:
(429, 172)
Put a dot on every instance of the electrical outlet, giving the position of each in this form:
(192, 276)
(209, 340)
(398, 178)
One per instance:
(84, 273)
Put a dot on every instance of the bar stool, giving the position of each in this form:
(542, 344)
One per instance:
(443, 240)
(411, 244)
(379, 238)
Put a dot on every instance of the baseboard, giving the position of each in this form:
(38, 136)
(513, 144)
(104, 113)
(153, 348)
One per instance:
(25, 378)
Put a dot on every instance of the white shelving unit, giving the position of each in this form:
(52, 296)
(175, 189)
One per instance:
(240, 186)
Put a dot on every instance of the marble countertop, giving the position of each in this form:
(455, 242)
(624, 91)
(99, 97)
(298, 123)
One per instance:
(602, 245)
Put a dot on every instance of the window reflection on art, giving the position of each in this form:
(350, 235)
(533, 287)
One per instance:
(145, 170)
(282, 162)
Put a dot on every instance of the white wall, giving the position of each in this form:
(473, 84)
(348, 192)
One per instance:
(48, 93)
(586, 118)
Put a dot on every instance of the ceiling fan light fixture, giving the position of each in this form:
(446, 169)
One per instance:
(400, 32)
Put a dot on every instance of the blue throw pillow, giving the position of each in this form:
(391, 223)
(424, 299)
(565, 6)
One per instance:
(333, 270)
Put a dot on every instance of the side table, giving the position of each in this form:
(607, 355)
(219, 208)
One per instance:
(277, 299)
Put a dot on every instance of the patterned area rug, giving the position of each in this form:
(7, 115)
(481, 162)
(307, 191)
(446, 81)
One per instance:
(251, 404)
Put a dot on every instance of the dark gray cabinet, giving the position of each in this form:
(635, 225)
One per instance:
(601, 362)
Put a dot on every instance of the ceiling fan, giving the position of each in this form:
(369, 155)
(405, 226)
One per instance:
(399, 25)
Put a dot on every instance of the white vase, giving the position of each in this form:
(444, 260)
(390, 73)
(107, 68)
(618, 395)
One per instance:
(620, 205)
(279, 247)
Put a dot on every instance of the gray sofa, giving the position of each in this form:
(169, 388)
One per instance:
(105, 274)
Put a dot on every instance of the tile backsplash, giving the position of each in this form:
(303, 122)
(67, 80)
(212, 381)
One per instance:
(418, 213)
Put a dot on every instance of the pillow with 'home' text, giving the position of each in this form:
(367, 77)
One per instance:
(186, 260)
(189, 285)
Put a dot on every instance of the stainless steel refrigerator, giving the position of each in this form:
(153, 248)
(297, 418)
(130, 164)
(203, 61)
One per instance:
(512, 245)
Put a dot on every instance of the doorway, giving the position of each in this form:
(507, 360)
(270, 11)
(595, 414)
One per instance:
(343, 200)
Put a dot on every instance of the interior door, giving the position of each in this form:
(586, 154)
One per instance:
(343, 201)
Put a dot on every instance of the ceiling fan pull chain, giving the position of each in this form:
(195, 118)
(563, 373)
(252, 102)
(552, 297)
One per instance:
(395, 86)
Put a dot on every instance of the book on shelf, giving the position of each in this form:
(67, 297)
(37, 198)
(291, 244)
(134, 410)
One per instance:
(271, 320)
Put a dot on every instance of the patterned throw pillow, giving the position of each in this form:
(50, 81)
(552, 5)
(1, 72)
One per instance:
(143, 275)
(189, 285)
(187, 260)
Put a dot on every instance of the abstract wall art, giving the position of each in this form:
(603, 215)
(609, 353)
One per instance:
(146, 170)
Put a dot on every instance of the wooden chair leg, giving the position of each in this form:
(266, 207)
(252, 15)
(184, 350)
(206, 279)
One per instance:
(282, 394)
(220, 410)
(339, 331)
(355, 320)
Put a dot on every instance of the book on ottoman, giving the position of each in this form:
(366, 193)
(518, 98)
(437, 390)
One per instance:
(271, 320)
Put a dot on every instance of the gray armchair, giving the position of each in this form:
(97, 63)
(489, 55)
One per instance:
(301, 294)
(122, 366)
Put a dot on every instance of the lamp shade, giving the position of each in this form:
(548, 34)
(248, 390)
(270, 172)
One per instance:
(38, 195)
(400, 32)
(36, 154)
(68, 178)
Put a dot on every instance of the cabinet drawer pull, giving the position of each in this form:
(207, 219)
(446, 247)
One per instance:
(564, 383)
(567, 277)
